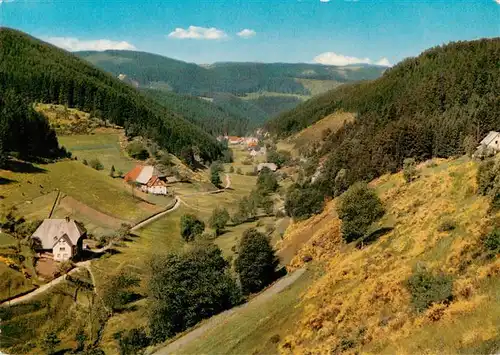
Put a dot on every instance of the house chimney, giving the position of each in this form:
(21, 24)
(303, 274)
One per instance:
(67, 219)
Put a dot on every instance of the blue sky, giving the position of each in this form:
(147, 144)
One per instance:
(329, 32)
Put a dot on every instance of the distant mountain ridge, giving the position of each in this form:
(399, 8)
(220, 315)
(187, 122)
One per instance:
(231, 77)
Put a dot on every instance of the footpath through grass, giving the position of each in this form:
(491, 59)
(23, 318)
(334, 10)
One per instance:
(255, 329)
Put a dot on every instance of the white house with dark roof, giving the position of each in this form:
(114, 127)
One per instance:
(61, 237)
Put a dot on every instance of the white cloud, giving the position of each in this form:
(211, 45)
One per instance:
(331, 58)
(5, 1)
(196, 32)
(246, 33)
(385, 62)
(497, 1)
(75, 44)
(324, 0)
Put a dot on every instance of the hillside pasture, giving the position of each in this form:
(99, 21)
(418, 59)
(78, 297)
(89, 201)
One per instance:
(103, 146)
(90, 187)
(316, 86)
(315, 132)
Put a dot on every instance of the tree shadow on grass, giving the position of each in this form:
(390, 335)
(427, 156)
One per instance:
(373, 237)
(5, 181)
(18, 166)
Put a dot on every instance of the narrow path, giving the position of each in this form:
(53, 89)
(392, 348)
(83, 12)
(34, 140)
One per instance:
(47, 286)
(157, 216)
(223, 317)
(228, 182)
(84, 264)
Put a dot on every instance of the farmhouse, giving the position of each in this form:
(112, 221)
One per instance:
(61, 237)
(490, 143)
(270, 166)
(149, 178)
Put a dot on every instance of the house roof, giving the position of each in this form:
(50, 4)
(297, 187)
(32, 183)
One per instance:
(155, 181)
(270, 166)
(490, 137)
(65, 237)
(133, 174)
(142, 174)
(51, 230)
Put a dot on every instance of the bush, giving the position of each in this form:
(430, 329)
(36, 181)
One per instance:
(485, 177)
(218, 220)
(191, 227)
(267, 182)
(132, 341)
(446, 226)
(280, 158)
(231, 169)
(117, 290)
(256, 261)
(85, 162)
(137, 151)
(247, 161)
(427, 289)
(488, 181)
(186, 288)
(359, 207)
(409, 169)
(50, 342)
(303, 202)
(492, 241)
(96, 164)
(215, 178)
(238, 171)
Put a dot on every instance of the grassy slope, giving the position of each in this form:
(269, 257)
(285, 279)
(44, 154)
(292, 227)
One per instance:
(250, 331)
(83, 183)
(314, 132)
(23, 324)
(317, 87)
(364, 289)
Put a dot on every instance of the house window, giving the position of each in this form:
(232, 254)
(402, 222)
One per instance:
(62, 248)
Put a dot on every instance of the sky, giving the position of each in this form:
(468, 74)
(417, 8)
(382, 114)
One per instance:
(336, 32)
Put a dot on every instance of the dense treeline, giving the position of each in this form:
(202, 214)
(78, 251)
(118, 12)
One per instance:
(241, 108)
(37, 71)
(24, 131)
(212, 118)
(425, 106)
(151, 70)
(274, 105)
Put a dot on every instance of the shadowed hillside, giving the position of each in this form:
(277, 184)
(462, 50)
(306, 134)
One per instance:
(37, 71)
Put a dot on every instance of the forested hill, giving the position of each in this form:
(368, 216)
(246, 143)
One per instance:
(37, 71)
(214, 119)
(155, 71)
(436, 104)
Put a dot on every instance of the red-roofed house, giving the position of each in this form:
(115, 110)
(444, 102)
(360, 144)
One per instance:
(149, 178)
